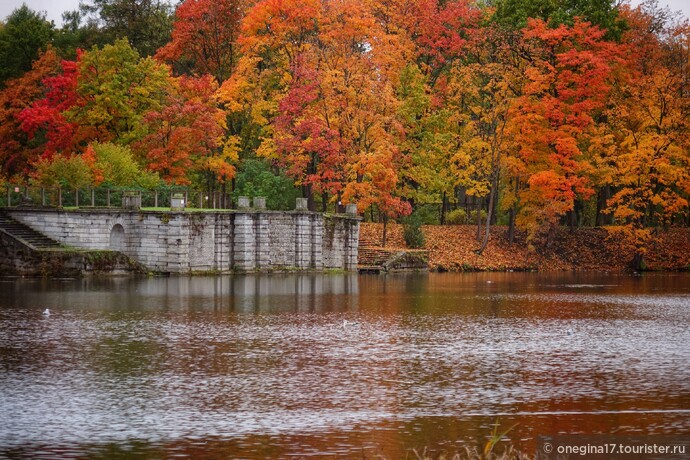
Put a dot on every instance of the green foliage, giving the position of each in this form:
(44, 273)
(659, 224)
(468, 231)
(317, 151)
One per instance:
(412, 230)
(74, 35)
(457, 217)
(65, 171)
(426, 214)
(24, 35)
(473, 216)
(146, 24)
(116, 166)
(255, 178)
(603, 13)
(118, 88)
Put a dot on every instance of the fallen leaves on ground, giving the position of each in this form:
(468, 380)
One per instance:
(452, 248)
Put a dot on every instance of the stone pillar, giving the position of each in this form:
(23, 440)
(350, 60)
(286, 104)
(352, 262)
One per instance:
(352, 244)
(262, 241)
(244, 248)
(223, 242)
(243, 202)
(351, 237)
(301, 204)
(177, 202)
(317, 241)
(260, 203)
(131, 200)
(302, 240)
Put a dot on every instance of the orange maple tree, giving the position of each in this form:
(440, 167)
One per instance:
(568, 78)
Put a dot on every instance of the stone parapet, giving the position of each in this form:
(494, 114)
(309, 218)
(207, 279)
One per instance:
(248, 240)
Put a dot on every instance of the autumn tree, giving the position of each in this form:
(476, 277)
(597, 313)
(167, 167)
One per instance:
(320, 64)
(569, 75)
(64, 170)
(204, 37)
(103, 96)
(16, 152)
(649, 137)
(115, 165)
(485, 95)
(185, 136)
(305, 146)
(44, 121)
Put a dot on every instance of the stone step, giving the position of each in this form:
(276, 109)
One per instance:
(26, 233)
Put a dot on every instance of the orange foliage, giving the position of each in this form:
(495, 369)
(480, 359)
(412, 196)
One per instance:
(451, 248)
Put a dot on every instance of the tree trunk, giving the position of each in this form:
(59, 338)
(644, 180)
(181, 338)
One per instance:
(444, 204)
(339, 203)
(385, 231)
(223, 196)
(479, 220)
(602, 196)
(572, 219)
(492, 198)
(637, 262)
(511, 225)
(308, 193)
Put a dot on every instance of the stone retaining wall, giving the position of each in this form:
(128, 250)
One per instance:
(222, 241)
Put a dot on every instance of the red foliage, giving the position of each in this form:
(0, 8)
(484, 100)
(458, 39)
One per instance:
(185, 132)
(47, 115)
(306, 147)
(16, 155)
(204, 36)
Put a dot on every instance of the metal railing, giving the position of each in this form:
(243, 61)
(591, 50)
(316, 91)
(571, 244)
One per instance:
(109, 197)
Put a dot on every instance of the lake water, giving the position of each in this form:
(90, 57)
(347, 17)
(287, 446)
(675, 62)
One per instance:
(337, 365)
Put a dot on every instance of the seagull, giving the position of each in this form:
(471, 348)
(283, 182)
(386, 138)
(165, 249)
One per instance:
(347, 324)
(46, 313)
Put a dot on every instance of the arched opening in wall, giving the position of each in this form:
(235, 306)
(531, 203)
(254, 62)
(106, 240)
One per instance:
(117, 238)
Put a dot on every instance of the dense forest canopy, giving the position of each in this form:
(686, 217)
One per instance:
(527, 113)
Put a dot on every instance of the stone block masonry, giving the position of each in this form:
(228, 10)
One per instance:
(219, 241)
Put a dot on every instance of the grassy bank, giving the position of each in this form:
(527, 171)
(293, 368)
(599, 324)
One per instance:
(451, 248)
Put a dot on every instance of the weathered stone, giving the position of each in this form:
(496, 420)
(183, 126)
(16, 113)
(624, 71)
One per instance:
(259, 203)
(301, 204)
(208, 241)
(131, 200)
(243, 202)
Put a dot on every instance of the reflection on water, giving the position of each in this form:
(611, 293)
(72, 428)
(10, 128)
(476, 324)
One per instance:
(265, 366)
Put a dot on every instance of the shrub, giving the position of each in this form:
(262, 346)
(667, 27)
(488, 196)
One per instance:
(427, 214)
(456, 217)
(473, 216)
(412, 231)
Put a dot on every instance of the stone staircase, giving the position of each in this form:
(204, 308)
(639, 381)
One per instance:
(372, 258)
(25, 234)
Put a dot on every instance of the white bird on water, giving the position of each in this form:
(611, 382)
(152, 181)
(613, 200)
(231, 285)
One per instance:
(347, 324)
(46, 313)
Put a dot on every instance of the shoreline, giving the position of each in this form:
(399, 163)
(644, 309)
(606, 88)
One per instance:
(450, 248)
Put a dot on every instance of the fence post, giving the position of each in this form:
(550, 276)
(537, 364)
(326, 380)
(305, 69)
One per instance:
(93, 197)
(155, 199)
(107, 197)
(76, 197)
(60, 196)
(43, 196)
(9, 196)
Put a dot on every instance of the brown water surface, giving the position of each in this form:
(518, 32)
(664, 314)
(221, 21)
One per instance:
(337, 365)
